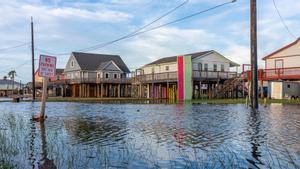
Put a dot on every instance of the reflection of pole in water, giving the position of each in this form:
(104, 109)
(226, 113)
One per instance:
(31, 144)
(255, 137)
(45, 163)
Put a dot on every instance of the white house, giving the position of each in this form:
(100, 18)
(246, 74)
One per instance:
(285, 57)
(211, 61)
(284, 63)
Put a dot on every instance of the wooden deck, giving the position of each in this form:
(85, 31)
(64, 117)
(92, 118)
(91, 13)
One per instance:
(98, 81)
(197, 76)
(292, 73)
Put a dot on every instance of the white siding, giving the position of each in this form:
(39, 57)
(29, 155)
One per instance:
(290, 56)
(160, 68)
(211, 59)
(293, 61)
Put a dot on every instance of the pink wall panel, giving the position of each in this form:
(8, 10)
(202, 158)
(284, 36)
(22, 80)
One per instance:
(180, 75)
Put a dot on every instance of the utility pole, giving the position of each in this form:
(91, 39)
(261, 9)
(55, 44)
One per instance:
(253, 37)
(32, 57)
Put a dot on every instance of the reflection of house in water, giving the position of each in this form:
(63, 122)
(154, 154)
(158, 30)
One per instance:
(102, 130)
(193, 134)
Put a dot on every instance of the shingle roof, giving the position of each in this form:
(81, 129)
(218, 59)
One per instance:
(90, 61)
(194, 55)
(174, 58)
(102, 65)
(8, 82)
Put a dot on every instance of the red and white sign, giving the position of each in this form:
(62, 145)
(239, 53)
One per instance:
(47, 66)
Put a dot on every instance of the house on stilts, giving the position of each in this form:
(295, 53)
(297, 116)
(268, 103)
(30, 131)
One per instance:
(187, 76)
(97, 75)
(282, 72)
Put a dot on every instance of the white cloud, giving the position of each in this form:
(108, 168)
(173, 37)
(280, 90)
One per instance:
(103, 15)
(168, 41)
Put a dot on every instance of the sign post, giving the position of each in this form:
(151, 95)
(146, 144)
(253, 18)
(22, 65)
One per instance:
(47, 69)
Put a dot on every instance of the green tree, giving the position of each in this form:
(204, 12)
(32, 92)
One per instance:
(12, 74)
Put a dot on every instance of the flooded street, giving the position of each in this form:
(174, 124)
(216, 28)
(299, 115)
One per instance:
(83, 135)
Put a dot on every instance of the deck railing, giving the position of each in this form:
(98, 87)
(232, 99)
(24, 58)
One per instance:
(157, 77)
(277, 73)
(172, 76)
(98, 80)
(214, 74)
(167, 76)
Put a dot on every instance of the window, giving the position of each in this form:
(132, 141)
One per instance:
(152, 70)
(199, 66)
(115, 76)
(72, 63)
(222, 68)
(98, 75)
(288, 86)
(106, 75)
(167, 68)
(215, 67)
(206, 67)
(57, 77)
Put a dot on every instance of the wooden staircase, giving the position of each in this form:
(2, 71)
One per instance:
(230, 88)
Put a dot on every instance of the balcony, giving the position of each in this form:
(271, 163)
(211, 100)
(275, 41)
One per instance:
(292, 73)
(213, 75)
(99, 80)
(172, 76)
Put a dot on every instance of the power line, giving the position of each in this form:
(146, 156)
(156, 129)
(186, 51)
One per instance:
(141, 28)
(154, 28)
(282, 21)
(127, 35)
(169, 23)
(13, 47)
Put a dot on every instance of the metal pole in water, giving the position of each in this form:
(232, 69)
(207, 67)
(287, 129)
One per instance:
(253, 37)
(44, 97)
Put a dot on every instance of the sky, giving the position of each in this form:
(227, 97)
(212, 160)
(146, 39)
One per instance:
(63, 26)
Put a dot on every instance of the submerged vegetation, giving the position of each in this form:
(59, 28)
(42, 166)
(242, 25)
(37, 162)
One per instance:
(80, 135)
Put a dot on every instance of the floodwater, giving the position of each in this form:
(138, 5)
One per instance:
(85, 135)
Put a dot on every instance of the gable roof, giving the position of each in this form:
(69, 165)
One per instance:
(193, 55)
(103, 65)
(91, 61)
(174, 58)
(281, 49)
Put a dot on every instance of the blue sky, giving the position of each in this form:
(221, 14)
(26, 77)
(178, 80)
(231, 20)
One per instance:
(66, 26)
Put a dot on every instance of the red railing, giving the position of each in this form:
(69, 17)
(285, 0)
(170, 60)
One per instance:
(278, 73)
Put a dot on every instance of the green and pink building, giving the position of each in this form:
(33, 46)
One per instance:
(184, 77)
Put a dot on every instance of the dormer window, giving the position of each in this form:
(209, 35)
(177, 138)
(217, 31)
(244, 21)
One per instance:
(115, 76)
(167, 68)
(106, 75)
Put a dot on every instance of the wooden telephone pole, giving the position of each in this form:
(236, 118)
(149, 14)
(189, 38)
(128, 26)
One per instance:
(32, 57)
(253, 37)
